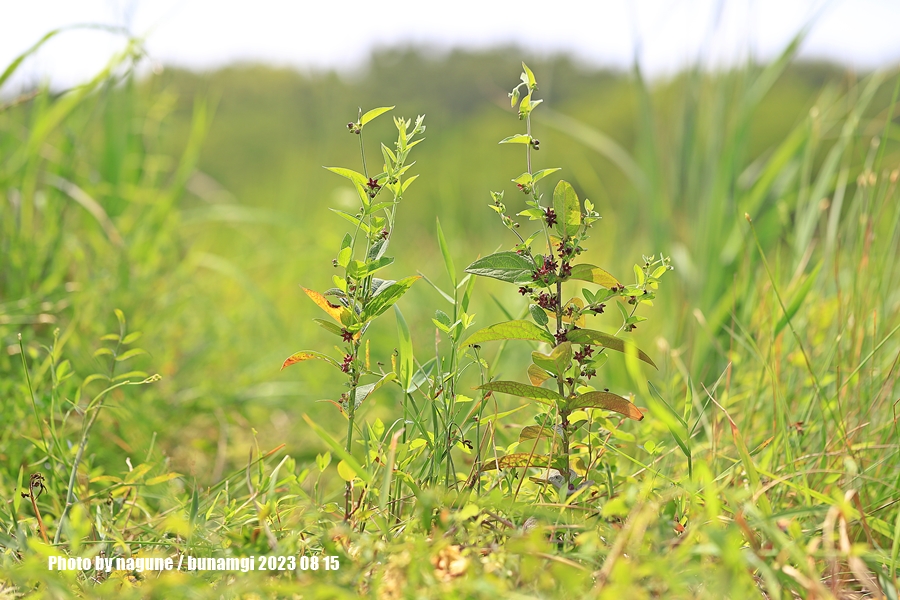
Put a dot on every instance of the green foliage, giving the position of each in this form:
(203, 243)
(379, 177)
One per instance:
(765, 461)
(565, 226)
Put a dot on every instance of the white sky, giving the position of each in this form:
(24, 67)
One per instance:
(666, 34)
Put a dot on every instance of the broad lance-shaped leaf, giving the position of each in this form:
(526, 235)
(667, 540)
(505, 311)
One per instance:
(505, 266)
(385, 299)
(350, 174)
(510, 330)
(568, 209)
(372, 114)
(522, 459)
(597, 338)
(523, 390)
(594, 274)
(607, 401)
(333, 310)
(308, 355)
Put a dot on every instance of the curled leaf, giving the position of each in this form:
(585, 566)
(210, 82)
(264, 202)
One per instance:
(308, 355)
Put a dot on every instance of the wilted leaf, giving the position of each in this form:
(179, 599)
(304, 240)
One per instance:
(607, 401)
(523, 390)
(505, 266)
(510, 330)
(308, 355)
(598, 338)
(594, 274)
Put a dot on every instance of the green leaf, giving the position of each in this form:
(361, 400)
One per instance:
(538, 314)
(405, 358)
(130, 354)
(445, 252)
(798, 299)
(327, 326)
(355, 177)
(378, 249)
(360, 270)
(607, 401)
(372, 114)
(597, 338)
(353, 219)
(505, 266)
(384, 300)
(364, 391)
(337, 449)
(529, 77)
(594, 274)
(557, 361)
(308, 355)
(442, 321)
(346, 251)
(568, 209)
(543, 173)
(638, 275)
(510, 330)
(514, 98)
(520, 138)
(523, 390)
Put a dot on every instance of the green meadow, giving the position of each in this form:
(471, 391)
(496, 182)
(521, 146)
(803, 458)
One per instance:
(155, 232)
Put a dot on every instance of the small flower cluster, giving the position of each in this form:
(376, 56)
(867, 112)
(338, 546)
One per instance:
(547, 268)
(354, 128)
(348, 361)
(550, 216)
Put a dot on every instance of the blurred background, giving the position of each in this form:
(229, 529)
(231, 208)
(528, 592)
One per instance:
(166, 159)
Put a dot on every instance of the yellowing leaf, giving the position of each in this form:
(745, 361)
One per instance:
(537, 375)
(308, 355)
(607, 401)
(593, 274)
(598, 338)
(345, 471)
(333, 310)
(162, 478)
